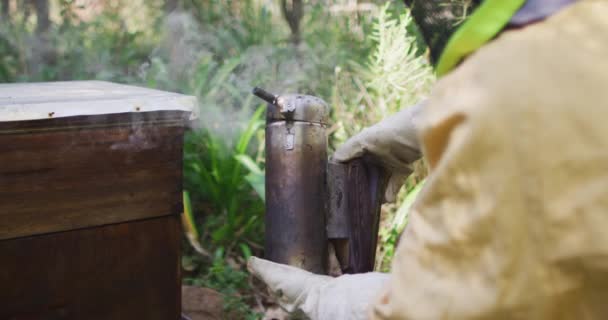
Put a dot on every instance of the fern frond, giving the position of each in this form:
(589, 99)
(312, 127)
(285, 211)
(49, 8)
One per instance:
(395, 73)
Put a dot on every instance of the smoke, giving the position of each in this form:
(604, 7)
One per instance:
(213, 63)
(183, 45)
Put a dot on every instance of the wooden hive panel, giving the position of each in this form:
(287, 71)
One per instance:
(65, 177)
(122, 271)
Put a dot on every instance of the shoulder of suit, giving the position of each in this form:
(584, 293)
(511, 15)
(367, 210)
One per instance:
(529, 64)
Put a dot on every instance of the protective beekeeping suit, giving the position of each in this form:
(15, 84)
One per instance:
(513, 220)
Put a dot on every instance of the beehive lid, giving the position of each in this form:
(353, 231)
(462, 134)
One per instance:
(48, 100)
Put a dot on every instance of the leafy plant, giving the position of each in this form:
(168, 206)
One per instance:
(394, 76)
(255, 177)
(102, 47)
(229, 212)
(391, 231)
(8, 60)
(213, 169)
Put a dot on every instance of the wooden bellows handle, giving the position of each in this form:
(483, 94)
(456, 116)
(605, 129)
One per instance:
(356, 192)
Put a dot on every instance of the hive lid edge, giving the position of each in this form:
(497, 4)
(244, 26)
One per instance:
(48, 100)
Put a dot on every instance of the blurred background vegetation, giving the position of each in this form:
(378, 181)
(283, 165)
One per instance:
(364, 57)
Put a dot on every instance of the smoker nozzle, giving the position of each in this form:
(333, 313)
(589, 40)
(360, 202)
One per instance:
(265, 95)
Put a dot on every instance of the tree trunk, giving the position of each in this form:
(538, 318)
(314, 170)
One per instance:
(42, 52)
(5, 8)
(170, 5)
(43, 21)
(24, 7)
(293, 10)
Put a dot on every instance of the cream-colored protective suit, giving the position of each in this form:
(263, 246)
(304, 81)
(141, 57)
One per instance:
(513, 221)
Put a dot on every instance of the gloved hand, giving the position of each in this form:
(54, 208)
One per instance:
(319, 297)
(391, 143)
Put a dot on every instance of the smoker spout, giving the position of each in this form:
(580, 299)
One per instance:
(265, 95)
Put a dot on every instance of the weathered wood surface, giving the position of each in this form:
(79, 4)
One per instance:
(121, 271)
(70, 173)
(356, 194)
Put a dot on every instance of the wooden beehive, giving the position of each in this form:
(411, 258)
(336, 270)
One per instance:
(90, 197)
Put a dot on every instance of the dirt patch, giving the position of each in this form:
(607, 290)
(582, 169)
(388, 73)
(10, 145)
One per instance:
(202, 303)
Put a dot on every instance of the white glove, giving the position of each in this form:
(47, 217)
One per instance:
(392, 143)
(319, 297)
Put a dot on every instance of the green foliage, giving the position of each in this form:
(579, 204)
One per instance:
(101, 48)
(389, 234)
(8, 60)
(214, 170)
(393, 76)
(396, 75)
(256, 175)
(238, 25)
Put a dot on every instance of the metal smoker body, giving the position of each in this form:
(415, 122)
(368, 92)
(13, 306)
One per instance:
(296, 165)
(310, 202)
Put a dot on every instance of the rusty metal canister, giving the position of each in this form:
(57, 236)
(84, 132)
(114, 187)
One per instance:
(296, 165)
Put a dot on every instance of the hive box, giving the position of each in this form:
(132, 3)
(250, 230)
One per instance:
(90, 197)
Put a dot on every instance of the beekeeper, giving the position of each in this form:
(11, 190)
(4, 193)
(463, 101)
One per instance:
(513, 220)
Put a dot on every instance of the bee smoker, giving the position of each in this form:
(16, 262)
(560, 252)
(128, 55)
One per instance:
(310, 201)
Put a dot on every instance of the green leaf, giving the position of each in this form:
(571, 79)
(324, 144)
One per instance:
(245, 250)
(402, 213)
(248, 162)
(258, 183)
(221, 233)
(190, 224)
(252, 126)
